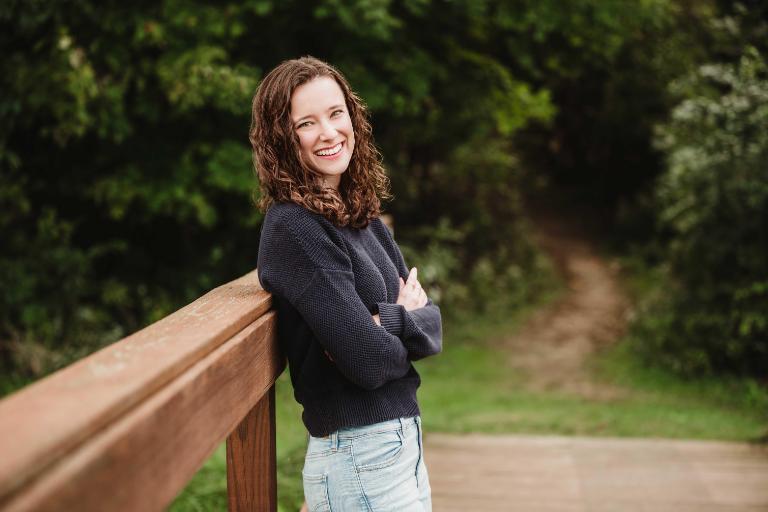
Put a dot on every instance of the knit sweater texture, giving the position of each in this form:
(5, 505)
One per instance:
(327, 282)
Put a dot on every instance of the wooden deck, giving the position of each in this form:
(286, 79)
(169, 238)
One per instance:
(569, 474)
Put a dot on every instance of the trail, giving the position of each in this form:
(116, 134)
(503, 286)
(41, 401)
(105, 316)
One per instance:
(554, 344)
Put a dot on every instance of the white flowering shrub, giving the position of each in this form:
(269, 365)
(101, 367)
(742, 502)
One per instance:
(713, 206)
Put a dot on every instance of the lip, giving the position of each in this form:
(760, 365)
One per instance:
(332, 157)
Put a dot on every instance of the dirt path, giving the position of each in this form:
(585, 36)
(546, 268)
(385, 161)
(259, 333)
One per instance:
(554, 344)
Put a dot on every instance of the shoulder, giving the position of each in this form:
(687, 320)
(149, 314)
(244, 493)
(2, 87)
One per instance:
(290, 219)
(385, 238)
(287, 214)
(291, 229)
(382, 232)
(377, 227)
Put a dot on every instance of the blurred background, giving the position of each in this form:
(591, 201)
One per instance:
(518, 134)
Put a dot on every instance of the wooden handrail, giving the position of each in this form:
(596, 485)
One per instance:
(126, 428)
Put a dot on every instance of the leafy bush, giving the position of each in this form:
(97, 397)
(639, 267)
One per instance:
(479, 251)
(713, 205)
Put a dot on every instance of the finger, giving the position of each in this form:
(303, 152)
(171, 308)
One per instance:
(402, 283)
(411, 276)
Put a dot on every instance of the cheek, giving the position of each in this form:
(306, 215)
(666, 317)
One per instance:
(350, 130)
(306, 143)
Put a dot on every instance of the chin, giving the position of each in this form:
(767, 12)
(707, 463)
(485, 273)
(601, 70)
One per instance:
(335, 170)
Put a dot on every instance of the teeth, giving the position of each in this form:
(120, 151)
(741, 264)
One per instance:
(328, 152)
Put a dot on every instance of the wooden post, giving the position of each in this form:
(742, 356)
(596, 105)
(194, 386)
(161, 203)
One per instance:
(251, 460)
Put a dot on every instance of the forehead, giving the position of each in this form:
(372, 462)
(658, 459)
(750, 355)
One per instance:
(316, 96)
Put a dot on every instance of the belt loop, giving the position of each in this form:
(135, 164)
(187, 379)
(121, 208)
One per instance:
(402, 425)
(335, 440)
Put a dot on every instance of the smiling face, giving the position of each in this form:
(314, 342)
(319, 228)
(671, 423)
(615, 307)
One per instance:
(321, 120)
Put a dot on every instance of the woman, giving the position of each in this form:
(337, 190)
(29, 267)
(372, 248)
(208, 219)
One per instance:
(350, 316)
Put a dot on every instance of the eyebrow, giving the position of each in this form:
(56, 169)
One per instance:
(333, 107)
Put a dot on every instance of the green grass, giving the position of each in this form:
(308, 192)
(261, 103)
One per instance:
(472, 391)
(470, 388)
(207, 491)
(704, 408)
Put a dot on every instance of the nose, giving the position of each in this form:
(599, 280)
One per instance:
(328, 132)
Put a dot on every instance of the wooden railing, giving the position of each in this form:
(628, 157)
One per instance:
(126, 428)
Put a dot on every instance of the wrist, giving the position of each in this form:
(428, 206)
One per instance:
(391, 316)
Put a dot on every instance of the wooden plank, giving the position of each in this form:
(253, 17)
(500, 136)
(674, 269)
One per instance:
(251, 460)
(552, 473)
(145, 457)
(41, 423)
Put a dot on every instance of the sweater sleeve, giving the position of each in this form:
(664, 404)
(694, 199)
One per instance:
(300, 262)
(420, 329)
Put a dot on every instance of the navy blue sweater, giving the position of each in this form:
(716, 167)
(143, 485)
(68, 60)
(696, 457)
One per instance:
(326, 282)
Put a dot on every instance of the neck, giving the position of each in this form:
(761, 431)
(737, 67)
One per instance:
(332, 182)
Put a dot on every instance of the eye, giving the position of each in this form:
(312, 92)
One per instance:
(302, 125)
(336, 113)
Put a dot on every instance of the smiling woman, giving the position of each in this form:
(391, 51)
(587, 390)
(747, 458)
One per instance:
(302, 109)
(351, 317)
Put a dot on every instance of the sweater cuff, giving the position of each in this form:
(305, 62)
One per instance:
(391, 316)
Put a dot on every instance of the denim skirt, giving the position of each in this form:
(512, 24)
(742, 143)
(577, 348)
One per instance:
(375, 468)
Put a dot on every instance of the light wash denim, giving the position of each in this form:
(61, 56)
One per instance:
(375, 468)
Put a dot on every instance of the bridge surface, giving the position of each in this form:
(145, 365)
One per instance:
(572, 474)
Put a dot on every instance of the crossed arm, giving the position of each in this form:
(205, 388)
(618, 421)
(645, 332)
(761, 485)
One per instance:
(411, 296)
(414, 319)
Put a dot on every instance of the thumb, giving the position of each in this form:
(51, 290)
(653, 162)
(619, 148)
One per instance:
(402, 283)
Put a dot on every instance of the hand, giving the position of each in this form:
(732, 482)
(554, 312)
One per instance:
(411, 295)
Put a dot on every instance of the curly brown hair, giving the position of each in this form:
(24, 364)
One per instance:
(283, 174)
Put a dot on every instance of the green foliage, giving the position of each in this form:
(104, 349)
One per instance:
(713, 203)
(480, 248)
(126, 176)
(125, 179)
(126, 183)
(607, 66)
